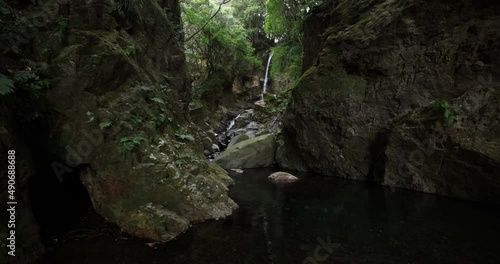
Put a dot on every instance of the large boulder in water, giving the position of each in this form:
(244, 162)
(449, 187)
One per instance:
(237, 139)
(252, 153)
(282, 177)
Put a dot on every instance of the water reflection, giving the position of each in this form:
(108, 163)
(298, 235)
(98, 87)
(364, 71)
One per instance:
(317, 220)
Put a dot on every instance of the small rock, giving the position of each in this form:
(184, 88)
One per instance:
(215, 148)
(237, 170)
(282, 177)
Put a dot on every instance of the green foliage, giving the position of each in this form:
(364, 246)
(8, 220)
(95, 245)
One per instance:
(155, 139)
(105, 124)
(6, 85)
(130, 143)
(62, 30)
(251, 13)
(162, 118)
(283, 23)
(129, 50)
(186, 159)
(287, 59)
(220, 52)
(443, 108)
(182, 135)
(178, 144)
(5, 9)
(158, 100)
(45, 53)
(29, 79)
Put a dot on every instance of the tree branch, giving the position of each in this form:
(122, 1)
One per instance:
(208, 21)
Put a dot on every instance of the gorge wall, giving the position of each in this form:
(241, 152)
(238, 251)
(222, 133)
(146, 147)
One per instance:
(401, 93)
(117, 111)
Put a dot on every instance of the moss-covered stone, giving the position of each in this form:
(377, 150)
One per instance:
(119, 83)
(360, 108)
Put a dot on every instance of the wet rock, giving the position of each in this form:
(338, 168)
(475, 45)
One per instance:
(282, 177)
(215, 148)
(237, 139)
(256, 152)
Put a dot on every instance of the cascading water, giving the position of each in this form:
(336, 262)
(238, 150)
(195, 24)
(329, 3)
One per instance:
(231, 124)
(266, 78)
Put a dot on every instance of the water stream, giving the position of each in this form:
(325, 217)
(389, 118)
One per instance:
(316, 220)
(266, 78)
(232, 122)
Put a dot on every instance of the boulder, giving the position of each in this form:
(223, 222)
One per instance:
(237, 139)
(282, 177)
(252, 153)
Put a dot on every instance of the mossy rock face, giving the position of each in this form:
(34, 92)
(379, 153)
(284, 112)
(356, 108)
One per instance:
(119, 83)
(237, 139)
(381, 62)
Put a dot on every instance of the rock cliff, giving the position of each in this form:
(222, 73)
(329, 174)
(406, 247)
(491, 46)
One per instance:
(401, 93)
(118, 117)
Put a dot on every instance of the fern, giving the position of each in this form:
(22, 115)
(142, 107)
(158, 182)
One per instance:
(105, 124)
(63, 28)
(443, 108)
(130, 50)
(25, 76)
(158, 100)
(6, 85)
(130, 143)
(181, 134)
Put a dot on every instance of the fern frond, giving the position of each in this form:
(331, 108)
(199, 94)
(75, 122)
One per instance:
(6, 85)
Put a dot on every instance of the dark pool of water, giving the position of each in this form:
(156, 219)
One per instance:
(316, 220)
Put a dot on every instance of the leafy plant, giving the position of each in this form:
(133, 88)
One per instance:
(217, 49)
(284, 23)
(129, 50)
(130, 143)
(178, 144)
(158, 100)
(105, 124)
(443, 108)
(155, 139)
(181, 134)
(5, 9)
(179, 162)
(29, 80)
(162, 118)
(62, 30)
(6, 85)
(45, 53)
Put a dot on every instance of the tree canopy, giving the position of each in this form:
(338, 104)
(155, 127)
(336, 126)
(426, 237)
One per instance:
(283, 24)
(217, 47)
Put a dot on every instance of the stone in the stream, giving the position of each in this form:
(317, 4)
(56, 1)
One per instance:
(281, 176)
(237, 139)
(252, 153)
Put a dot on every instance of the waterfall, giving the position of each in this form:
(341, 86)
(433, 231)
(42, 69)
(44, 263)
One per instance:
(266, 79)
(231, 124)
